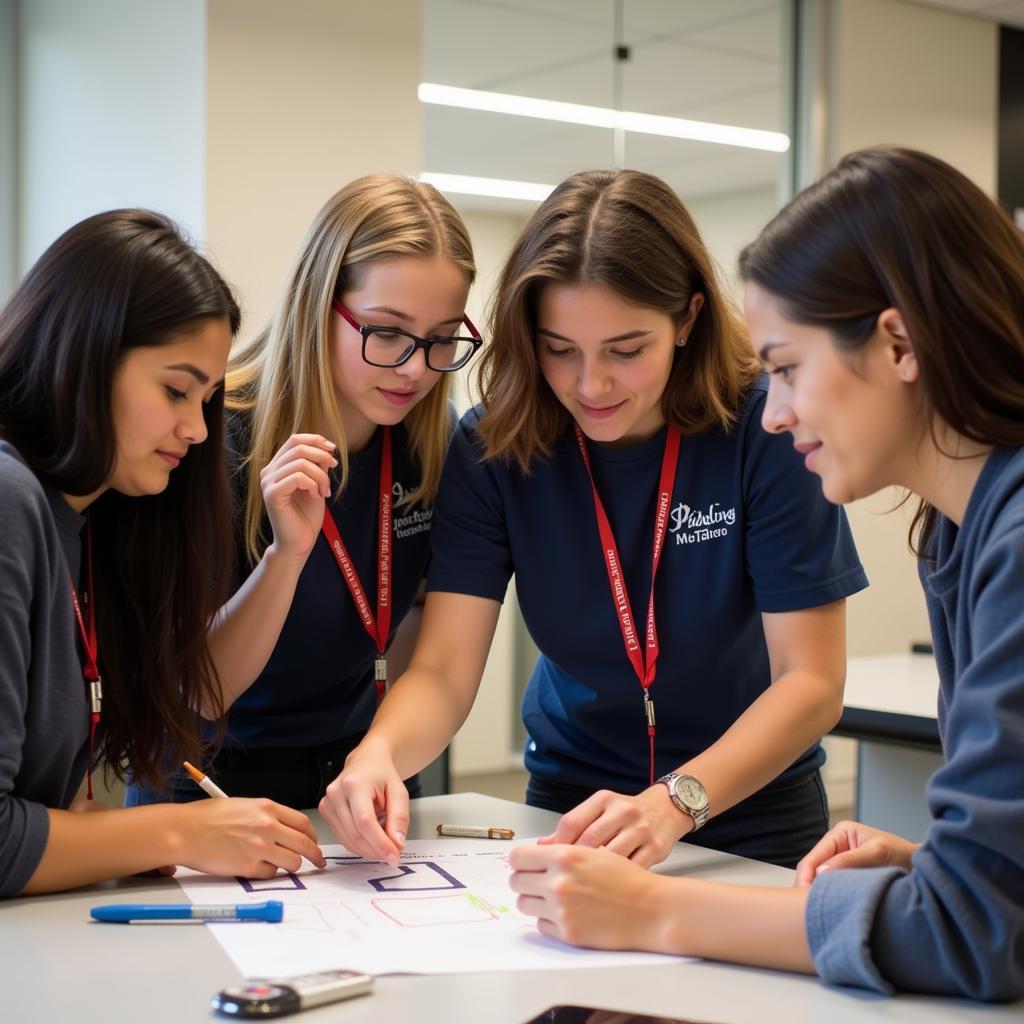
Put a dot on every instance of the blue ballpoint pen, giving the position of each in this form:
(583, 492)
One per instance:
(271, 910)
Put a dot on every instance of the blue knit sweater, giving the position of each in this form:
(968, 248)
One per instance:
(954, 923)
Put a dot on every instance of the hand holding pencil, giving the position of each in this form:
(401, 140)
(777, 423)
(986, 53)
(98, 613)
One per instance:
(204, 782)
(241, 836)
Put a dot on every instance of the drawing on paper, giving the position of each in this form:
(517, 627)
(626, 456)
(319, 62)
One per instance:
(279, 883)
(425, 911)
(445, 907)
(411, 879)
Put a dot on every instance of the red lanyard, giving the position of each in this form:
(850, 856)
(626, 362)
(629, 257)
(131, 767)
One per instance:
(377, 628)
(87, 633)
(643, 666)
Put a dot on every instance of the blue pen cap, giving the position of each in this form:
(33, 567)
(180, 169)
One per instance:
(271, 910)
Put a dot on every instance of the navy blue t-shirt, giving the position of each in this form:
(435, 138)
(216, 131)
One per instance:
(317, 687)
(749, 532)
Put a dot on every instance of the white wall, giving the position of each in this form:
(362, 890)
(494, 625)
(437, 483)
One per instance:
(913, 76)
(303, 96)
(916, 76)
(484, 743)
(727, 222)
(927, 78)
(111, 106)
(493, 235)
(8, 147)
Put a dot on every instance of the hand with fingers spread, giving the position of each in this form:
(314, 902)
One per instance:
(367, 805)
(587, 897)
(643, 828)
(853, 845)
(295, 485)
(251, 838)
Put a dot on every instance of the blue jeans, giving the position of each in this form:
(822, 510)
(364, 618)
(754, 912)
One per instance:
(777, 824)
(293, 776)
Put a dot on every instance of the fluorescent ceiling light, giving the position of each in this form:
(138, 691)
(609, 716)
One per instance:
(500, 188)
(602, 117)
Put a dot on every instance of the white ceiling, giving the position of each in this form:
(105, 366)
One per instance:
(689, 58)
(711, 61)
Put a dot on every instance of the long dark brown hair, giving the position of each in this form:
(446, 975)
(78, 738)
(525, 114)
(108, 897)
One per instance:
(897, 228)
(627, 230)
(116, 281)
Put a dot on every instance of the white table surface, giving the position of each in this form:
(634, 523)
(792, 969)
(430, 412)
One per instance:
(58, 966)
(899, 684)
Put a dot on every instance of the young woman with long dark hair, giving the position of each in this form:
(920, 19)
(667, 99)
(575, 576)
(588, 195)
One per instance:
(113, 558)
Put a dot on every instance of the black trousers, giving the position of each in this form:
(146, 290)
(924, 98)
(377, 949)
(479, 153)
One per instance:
(778, 824)
(294, 776)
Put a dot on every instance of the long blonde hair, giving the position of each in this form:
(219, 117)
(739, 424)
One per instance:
(283, 377)
(628, 230)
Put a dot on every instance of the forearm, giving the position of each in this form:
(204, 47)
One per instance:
(85, 848)
(247, 628)
(738, 924)
(403, 643)
(421, 713)
(790, 716)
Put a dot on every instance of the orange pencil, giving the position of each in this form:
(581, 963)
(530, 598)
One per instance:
(205, 783)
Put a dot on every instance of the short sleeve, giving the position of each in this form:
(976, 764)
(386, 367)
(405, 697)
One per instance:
(469, 549)
(799, 549)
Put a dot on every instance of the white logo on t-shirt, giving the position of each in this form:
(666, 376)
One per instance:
(694, 525)
(416, 521)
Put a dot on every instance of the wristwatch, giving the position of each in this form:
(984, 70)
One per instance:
(689, 795)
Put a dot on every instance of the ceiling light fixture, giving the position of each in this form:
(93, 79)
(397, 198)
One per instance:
(499, 188)
(602, 117)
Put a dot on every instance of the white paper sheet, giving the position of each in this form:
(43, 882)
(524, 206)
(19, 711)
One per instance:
(447, 908)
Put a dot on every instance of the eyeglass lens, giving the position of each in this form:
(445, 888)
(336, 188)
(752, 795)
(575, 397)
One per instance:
(388, 348)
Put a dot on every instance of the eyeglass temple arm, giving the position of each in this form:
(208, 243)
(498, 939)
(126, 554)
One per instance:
(472, 328)
(350, 319)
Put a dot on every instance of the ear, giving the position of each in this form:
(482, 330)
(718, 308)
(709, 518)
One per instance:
(899, 348)
(696, 304)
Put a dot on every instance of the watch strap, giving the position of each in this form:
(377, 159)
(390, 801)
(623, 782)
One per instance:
(699, 815)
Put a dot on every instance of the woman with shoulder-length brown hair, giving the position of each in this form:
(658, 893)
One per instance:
(887, 303)
(682, 579)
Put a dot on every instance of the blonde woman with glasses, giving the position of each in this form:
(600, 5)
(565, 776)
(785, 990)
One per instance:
(339, 419)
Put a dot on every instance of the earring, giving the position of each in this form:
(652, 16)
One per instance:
(681, 341)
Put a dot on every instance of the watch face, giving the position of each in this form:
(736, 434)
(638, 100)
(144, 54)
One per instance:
(691, 792)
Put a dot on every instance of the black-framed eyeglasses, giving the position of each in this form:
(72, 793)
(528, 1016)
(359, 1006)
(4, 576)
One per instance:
(391, 346)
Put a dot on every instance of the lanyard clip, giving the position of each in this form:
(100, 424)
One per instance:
(649, 709)
(380, 668)
(95, 695)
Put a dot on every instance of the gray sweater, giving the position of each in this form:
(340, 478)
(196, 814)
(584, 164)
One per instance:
(954, 924)
(43, 707)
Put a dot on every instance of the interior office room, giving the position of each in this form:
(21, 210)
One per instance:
(238, 117)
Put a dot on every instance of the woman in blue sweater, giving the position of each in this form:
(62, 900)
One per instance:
(887, 302)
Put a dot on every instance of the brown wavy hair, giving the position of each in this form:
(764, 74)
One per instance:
(116, 281)
(283, 379)
(627, 230)
(898, 228)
